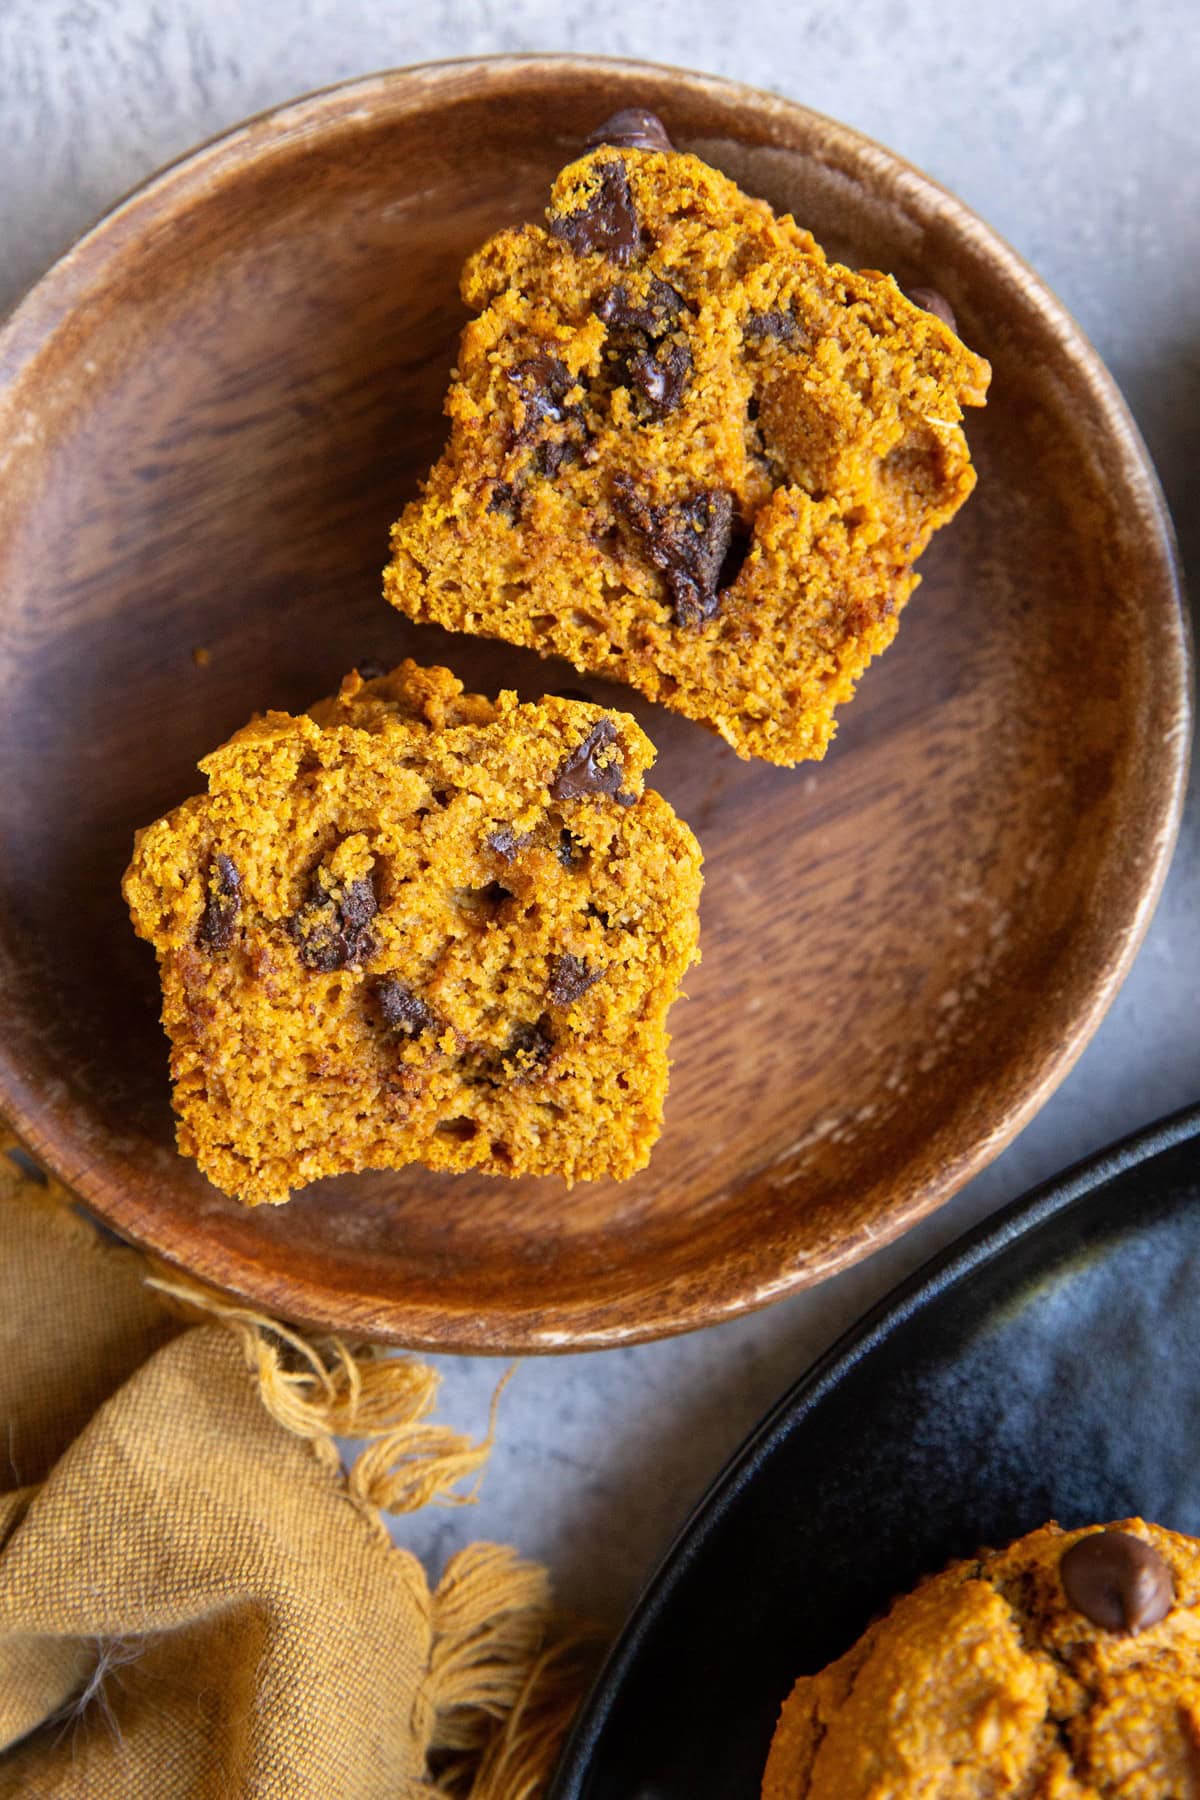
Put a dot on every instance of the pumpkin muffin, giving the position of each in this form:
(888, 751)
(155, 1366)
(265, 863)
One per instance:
(414, 925)
(687, 451)
(1066, 1667)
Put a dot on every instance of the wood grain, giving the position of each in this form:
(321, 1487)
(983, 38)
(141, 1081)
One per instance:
(210, 411)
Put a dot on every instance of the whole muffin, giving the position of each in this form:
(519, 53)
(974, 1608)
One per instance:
(1066, 1667)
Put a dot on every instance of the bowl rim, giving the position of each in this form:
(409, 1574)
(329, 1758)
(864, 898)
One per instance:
(983, 1246)
(661, 1309)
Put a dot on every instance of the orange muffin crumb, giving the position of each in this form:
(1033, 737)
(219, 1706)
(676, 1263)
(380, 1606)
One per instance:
(414, 925)
(687, 452)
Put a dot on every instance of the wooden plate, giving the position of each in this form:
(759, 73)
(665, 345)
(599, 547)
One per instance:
(211, 409)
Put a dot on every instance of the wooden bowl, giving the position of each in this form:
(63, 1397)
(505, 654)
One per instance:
(210, 411)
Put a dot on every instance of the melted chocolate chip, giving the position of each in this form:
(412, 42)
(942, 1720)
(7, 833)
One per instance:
(929, 300)
(401, 1008)
(655, 315)
(654, 372)
(505, 500)
(582, 775)
(332, 930)
(549, 458)
(543, 384)
(506, 842)
(529, 1049)
(570, 977)
(633, 128)
(688, 540)
(660, 376)
(371, 671)
(608, 223)
(1117, 1581)
(775, 324)
(223, 903)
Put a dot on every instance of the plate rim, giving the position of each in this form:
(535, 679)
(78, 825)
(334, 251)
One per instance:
(979, 1247)
(658, 1309)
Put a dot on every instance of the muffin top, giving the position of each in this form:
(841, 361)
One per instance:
(1066, 1667)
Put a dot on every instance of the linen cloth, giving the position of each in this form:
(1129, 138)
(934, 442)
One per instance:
(196, 1600)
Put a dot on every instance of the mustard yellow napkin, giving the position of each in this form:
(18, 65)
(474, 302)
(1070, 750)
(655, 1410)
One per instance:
(195, 1599)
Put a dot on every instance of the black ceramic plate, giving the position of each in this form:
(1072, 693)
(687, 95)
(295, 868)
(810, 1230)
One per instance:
(1046, 1366)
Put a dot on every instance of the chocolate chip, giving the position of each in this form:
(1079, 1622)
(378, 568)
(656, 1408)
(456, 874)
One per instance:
(371, 671)
(332, 930)
(570, 977)
(581, 775)
(655, 373)
(660, 376)
(633, 128)
(505, 500)
(608, 223)
(1117, 1581)
(401, 1008)
(549, 458)
(775, 324)
(506, 842)
(358, 905)
(223, 903)
(543, 383)
(655, 315)
(688, 540)
(929, 300)
(528, 1050)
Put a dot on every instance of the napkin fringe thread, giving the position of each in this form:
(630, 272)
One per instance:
(323, 1389)
(506, 1670)
(517, 1759)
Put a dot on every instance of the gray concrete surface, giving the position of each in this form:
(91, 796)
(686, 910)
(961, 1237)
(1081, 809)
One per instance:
(1071, 128)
